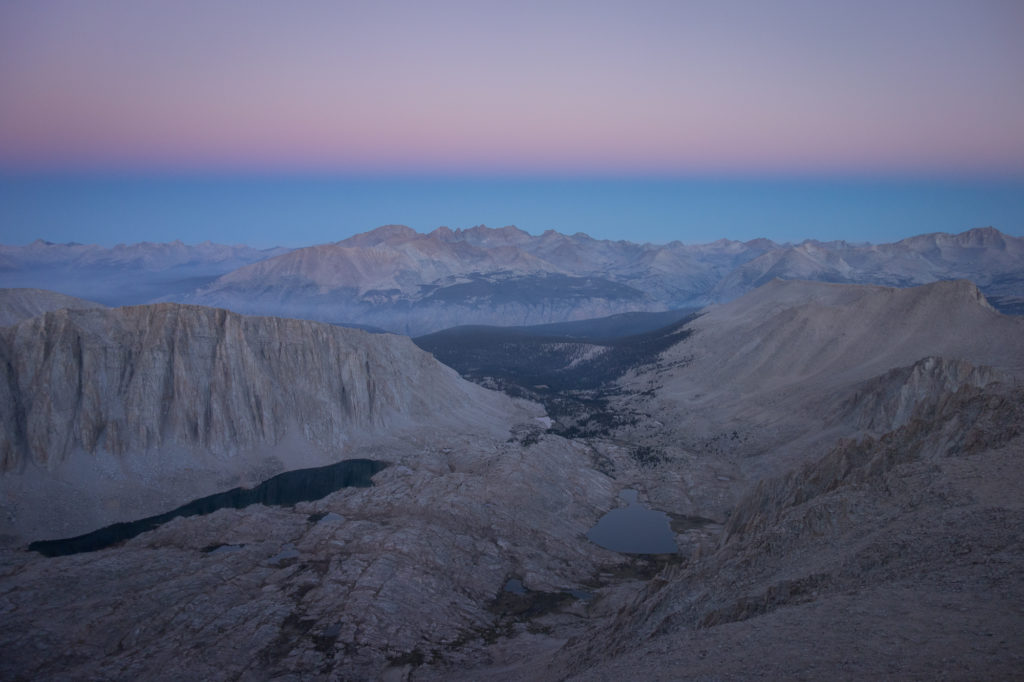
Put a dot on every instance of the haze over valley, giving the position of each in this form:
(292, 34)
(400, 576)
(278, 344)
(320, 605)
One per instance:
(396, 279)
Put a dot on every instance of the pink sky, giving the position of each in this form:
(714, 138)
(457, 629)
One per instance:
(904, 87)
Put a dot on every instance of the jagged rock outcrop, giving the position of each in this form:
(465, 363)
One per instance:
(20, 304)
(887, 402)
(961, 423)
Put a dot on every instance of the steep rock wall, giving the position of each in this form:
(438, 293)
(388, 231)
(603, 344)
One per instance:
(138, 378)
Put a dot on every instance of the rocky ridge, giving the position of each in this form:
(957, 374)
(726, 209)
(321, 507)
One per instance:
(144, 256)
(985, 256)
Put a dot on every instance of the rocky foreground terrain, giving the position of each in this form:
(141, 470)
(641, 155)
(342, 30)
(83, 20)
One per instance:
(894, 557)
(841, 465)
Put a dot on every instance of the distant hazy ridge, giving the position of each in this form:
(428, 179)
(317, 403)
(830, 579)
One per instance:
(396, 279)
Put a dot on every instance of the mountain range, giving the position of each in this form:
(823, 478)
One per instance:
(838, 465)
(126, 274)
(396, 279)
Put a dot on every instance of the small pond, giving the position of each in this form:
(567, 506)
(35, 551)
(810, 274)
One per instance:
(634, 529)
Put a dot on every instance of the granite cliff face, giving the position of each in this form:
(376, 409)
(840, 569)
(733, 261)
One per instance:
(133, 379)
(166, 391)
(116, 414)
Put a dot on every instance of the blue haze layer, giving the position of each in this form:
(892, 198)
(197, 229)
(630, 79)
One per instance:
(269, 210)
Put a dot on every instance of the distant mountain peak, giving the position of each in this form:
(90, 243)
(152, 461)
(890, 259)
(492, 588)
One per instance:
(481, 235)
(982, 236)
(385, 234)
(396, 278)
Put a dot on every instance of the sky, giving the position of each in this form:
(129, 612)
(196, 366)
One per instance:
(626, 118)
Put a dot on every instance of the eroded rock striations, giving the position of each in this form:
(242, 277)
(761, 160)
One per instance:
(186, 400)
(888, 401)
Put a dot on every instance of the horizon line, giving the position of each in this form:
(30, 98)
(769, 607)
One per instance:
(48, 242)
(125, 172)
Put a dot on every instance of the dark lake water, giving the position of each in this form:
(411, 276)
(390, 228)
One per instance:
(289, 488)
(634, 529)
